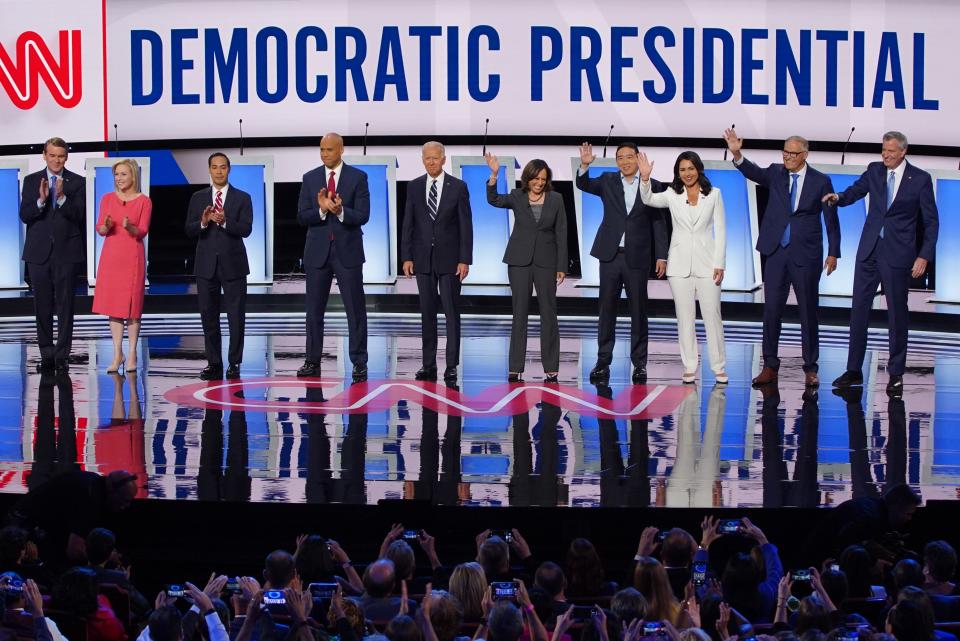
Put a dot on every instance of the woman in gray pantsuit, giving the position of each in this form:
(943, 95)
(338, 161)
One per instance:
(536, 257)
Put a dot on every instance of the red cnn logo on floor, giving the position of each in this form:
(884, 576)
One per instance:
(20, 76)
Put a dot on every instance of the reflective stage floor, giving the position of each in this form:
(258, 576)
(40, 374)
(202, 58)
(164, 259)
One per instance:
(273, 438)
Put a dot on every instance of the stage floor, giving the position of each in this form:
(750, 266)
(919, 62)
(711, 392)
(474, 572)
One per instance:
(273, 438)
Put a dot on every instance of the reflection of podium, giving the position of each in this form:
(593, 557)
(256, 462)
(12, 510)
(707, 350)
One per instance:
(380, 234)
(491, 225)
(99, 174)
(13, 232)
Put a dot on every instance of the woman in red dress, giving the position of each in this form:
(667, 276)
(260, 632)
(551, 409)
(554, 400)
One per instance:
(124, 220)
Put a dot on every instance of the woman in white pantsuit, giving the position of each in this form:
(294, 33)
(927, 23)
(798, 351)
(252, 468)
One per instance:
(696, 258)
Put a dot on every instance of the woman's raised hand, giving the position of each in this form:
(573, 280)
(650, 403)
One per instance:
(646, 166)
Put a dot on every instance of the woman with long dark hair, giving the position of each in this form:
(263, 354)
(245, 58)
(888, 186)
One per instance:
(536, 256)
(696, 259)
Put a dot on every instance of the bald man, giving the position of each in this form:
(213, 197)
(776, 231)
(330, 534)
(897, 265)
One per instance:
(334, 205)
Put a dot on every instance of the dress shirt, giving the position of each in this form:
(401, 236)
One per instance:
(803, 174)
(62, 197)
(336, 183)
(898, 177)
(213, 201)
(439, 180)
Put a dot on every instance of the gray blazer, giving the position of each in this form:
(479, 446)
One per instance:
(543, 244)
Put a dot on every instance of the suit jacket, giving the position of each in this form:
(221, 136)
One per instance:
(54, 228)
(806, 232)
(699, 241)
(914, 199)
(639, 242)
(347, 236)
(216, 244)
(541, 243)
(437, 246)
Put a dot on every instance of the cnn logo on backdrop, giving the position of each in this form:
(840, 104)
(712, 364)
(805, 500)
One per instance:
(33, 61)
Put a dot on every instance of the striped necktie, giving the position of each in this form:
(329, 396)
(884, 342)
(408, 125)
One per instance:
(432, 199)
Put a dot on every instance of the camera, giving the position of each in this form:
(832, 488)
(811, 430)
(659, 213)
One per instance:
(274, 597)
(176, 590)
(699, 573)
(729, 526)
(504, 590)
(411, 535)
(322, 590)
(800, 575)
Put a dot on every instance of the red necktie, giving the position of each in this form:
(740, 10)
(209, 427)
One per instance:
(218, 203)
(331, 186)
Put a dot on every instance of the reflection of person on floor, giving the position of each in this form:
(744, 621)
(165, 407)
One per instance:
(861, 481)
(55, 450)
(535, 484)
(778, 489)
(120, 445)
(213, 483)
(896, 452)
(620, 485)
(696, 470)
(321, 486)
(444, 490)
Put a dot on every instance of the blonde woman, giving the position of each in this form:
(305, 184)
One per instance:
(468, 584)
(123, 222)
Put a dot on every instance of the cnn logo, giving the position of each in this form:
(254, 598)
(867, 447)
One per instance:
(20, 76)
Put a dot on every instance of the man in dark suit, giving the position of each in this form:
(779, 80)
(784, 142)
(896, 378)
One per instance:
(220, 217)
(53, 206)
(624, 243)
(334, 204)
(900, 194)
(791, 238)
(437, 245)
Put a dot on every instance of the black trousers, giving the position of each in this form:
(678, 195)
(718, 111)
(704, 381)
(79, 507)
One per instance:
(234, 302)
(445, 289)
(522, 281)
(52, 284)
(350, 282)
(779, 274)
(615, 275)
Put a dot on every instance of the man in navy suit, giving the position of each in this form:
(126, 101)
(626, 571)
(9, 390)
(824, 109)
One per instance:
(334, 205)
(220, 217)
(53, 207)
(629, 233)
(437, 245)
(899, 194)
(791, 238)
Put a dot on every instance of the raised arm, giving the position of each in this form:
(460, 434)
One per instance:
(584, 181)
(497, 200)
(647, 194)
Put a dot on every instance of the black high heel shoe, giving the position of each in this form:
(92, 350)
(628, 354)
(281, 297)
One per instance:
(515, 377)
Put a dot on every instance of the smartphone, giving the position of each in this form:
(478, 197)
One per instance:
(653, 627)
(662, 534)
(323, 590)
(504, 590)
(849, 634)
(729, 526)
(14, 586)
(582, 612)
(506, 535)
(232, 586)
(834, 567)
(274, 597)
(699, 573)
(176, 590)
(410, 535)
(800, 575)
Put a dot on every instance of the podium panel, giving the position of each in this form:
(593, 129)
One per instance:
(380, 235)
(491, 225)
(589, 210)
(852, 218)
(947, 190)
(740, 210)
(12, 231)
(254, 175)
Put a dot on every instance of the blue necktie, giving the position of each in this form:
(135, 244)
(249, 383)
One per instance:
(891, 188)
(785, 239)
(53, 189)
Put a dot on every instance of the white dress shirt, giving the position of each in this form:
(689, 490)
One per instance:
(62, 197)
(898, 177)
(336, 183)
(213, 201)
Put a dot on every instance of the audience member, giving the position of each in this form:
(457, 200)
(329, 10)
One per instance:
(551, 579)
(584, 571)
(104, 559)
(939, 566)
(379, 583)
(468, 585)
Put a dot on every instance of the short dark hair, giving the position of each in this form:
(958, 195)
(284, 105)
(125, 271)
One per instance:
(629, 604)
(628, 145)
(694, 158)
(550, 577)
(901, 495)
(907, 572)
(835, 584)
(530, 171)
(678, 548)
(403, 628)
(279, 568)
(403, 559)
(313, 560)
(940, 559)
(76, 592)
(166, 624)
(100, 544)
(218, 154)
(505, 622)
(906, 622)
(56, 141)
(13, 541)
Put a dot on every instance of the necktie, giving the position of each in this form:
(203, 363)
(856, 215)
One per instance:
(891, 187)
(331, 186)
(53, 189)
(218, 203)
(785, 239)
(432, 199)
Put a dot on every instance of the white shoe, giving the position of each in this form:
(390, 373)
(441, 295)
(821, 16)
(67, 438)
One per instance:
(689, 377)
(722, 378)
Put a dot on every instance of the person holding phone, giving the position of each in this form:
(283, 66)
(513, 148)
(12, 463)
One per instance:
(536, 256)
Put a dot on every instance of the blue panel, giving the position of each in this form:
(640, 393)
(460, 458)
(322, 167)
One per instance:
(852, 217)
(491, 226)
(739, 275)
(948, 240)
(376, 233)
(946, 413)
(486, 361)
(11, 231)
(11, 402)
(164, 169)
(102, 185)
(591, 215)
(250, 178)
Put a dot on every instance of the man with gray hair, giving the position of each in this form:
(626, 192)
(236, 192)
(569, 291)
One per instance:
(791, 239)
(437, 246)
(900, 194)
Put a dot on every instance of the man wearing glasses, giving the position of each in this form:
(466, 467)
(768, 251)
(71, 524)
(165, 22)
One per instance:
(791, 239)
(629, 233)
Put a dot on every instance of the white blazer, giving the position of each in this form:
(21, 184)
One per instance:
(698, 244)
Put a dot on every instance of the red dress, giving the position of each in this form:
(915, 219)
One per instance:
(122, 268)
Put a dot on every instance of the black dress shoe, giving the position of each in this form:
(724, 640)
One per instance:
(233, 371)
(552, 378)
(450, 374)
(895, 385)
(599, 373)
(62, 367)
(515, 377)
(309, 368)
(849, 394)
(426, 373)
(359, 373)
(211, 373)
(45, 365)
(849, 378)
(639, 375)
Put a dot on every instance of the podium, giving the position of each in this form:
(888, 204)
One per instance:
(380, 235)
(254, 175)
(12, 231)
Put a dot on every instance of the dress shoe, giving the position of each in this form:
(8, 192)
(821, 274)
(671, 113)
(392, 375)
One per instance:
(689, 378)
(426, 373)
(769, 391)
(450, 374)
(895, 385)
(766, 376)
(211, 373)
(551, 378)
(639, 375)
(811, 379)
(45, 365)
(849, 378)
(62, 367)
(309, 368)
(849, 394)
(359, 373)
(233, 371)
(515, 377)
(599, 373)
